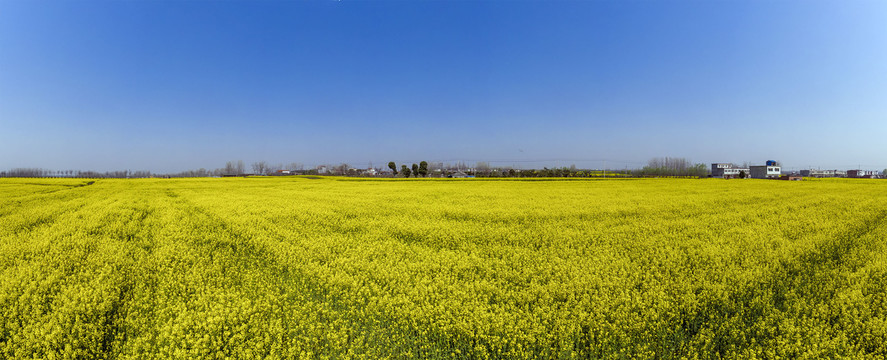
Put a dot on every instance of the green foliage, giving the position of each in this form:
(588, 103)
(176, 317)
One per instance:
(291, 267)
(423, 169)
(405, 171)
(393, 167)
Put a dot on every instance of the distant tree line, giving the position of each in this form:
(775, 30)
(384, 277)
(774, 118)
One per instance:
(36, 172)
(232, 168)
(656, 167)
(238, 168)
(667, 166)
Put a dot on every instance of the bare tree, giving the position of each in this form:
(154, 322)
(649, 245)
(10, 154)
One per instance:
(230, 168)
(260, 168)
(341, 169)
(233, 168)
(436, 168)
(482, 168)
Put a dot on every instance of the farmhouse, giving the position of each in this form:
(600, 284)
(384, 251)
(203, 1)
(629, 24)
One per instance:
(730, 171)
(727, 170)
(765, 171)
(821, 173)
(860, 173)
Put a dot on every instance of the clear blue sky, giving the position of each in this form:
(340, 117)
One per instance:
(174, 85)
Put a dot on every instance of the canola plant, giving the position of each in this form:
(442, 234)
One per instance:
(336, 268)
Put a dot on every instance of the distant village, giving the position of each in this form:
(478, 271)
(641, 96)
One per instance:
(656, 167)
(773, 170)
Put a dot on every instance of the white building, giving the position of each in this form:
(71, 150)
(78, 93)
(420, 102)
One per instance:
(823, 173)
(858, 173)
(765, 171)
(727, 170)
(818, 173)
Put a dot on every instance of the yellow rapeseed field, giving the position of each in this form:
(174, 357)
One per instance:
(337, 268)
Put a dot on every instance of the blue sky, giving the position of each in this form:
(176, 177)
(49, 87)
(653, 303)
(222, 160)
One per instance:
(173, 85)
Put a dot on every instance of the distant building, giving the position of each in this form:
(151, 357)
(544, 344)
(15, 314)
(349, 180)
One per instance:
(727, 170)
(385, 172)
(860, 173)
(765, 171)
(823, 173)
(817, 173)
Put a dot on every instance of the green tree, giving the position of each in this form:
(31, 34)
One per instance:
(405, 171)
(423, 168)
(742, 174)
(415, 170)
(700, 170)
(393, 167)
